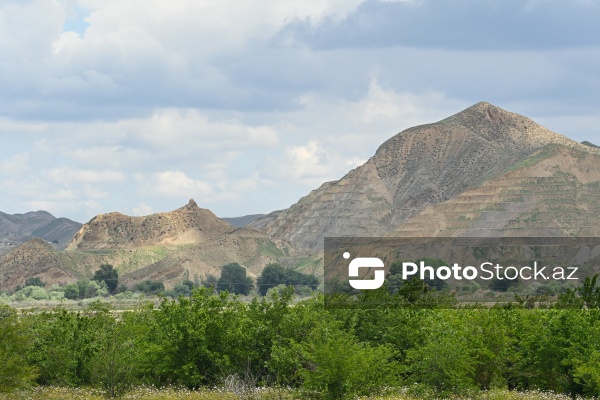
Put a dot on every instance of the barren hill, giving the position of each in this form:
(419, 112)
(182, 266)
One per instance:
(246, 246)
(187, 242)
(188, 224)
(35, 258)
(418, 167)
(553, 192)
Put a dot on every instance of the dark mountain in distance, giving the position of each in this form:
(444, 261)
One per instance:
(240, 222)
(590, 144)
(19, 228)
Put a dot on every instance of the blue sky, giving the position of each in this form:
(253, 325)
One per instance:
(138, 105)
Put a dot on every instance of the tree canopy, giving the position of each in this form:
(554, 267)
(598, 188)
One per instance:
(234, 280)
(109, 275)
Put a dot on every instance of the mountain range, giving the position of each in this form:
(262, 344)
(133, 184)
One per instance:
(19, 228)
(482, 172)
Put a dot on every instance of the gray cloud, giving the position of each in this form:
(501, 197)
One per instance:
(456, 24)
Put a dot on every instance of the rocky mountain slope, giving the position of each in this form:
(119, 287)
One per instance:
(19, 228)
(248, 247)
(417, 168)
(553, 192)
(35, 258)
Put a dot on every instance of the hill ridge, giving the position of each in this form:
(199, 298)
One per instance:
(187, 224)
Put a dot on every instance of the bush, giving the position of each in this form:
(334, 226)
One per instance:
(15, 339)
(34, 282)
(338, 366)
(274, 275)
(150, 287)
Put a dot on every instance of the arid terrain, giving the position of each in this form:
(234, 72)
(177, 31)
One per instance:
(482, 172)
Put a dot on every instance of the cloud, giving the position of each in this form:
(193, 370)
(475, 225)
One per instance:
(449, 24)
(142, 209)
(173, 183)
(17, 165)
(70, 175)
(248, 106)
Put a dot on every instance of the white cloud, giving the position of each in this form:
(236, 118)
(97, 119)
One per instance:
(16, 165)
(142, 209)
(175, 183)
(382, 103)
(306, 162)
(70, 175)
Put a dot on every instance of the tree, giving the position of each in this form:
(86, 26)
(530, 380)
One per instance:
(274, 275)
(34, 282)
(109, 275)
(150, 287)
(15, 372)
(502, 285)
(234, 280)
(337, 366)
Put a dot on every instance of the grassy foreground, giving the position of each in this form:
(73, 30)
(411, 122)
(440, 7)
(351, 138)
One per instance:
(150, 393)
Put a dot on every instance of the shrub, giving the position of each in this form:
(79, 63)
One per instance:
(15, 341)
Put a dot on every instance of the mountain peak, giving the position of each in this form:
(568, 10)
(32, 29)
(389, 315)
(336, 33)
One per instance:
(192, 203)
(418, 167)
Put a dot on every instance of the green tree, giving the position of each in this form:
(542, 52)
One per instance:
(337, 366)
(234, 280)
(34, 282)
(115, 365)
(502, 284)
(150, 287)
(15, 341)
(274, 275)
(109, 275)
(443, 361)
(197, 340)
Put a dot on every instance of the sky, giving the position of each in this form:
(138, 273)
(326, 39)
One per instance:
(136, 106)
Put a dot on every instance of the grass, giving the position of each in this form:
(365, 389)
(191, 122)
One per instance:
(151, 393)
(546, 152)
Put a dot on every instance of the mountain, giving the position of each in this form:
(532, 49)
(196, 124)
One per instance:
(171, 246)
(419, 167)
(188, 224)
(553, 192)
(590, 144)
(482, 172)
(240, 222)
(19, 228)
(248, 247)
(35, 258)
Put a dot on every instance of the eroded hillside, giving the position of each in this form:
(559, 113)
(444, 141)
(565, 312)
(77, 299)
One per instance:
(554, 192)
(418, 167)
(188, 224)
